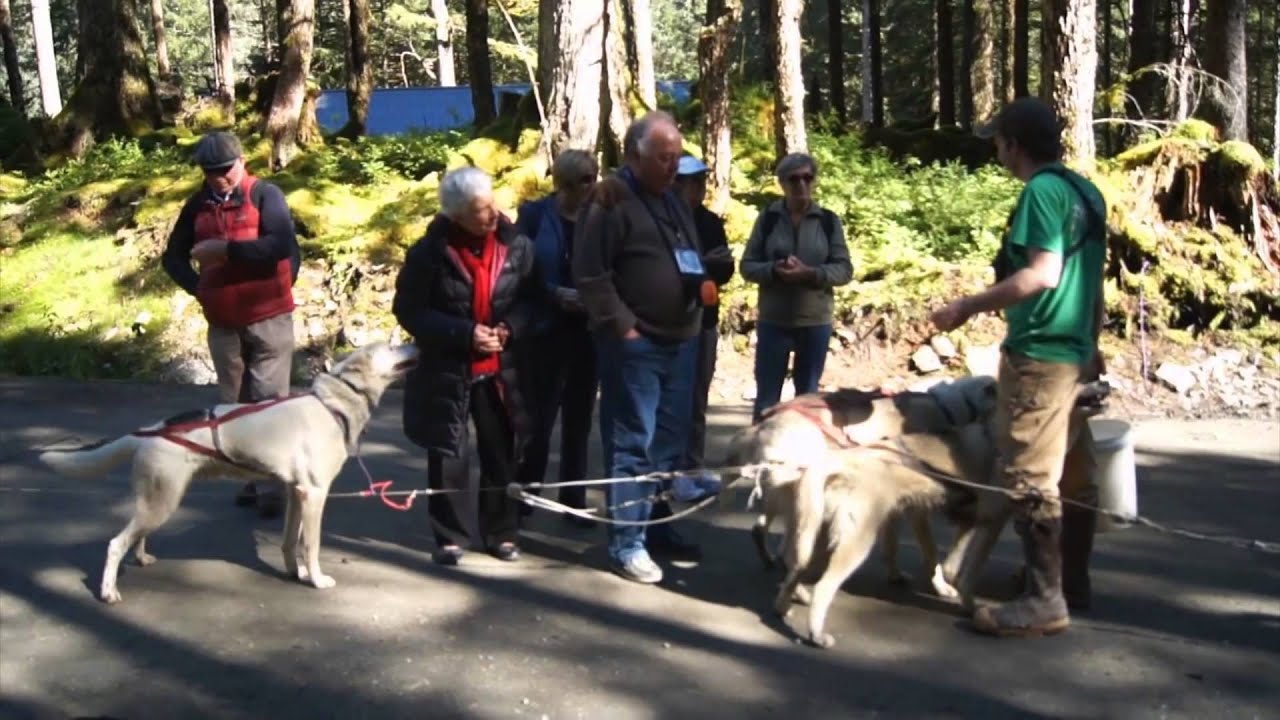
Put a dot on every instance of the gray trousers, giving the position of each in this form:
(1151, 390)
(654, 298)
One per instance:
(254, 362)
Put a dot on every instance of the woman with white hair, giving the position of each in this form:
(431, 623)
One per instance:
(797, 255)
(468, 293)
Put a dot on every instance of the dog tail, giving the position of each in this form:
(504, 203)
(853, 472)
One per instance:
(93, 459)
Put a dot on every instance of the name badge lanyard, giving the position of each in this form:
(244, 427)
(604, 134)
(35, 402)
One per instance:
(679, 243)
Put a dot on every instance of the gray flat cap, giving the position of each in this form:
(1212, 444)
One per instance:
(218, 150)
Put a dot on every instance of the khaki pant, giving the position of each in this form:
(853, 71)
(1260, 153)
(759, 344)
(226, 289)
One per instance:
(253, 363)
(1044, 446)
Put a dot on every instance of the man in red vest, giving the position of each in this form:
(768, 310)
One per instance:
(238, 232)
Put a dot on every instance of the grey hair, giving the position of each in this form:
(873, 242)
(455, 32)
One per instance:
(636, 142)
(459, 187)
(571, 166)
(793, 162)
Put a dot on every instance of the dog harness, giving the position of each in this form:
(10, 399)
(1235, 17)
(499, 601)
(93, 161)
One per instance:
(809, 407)
(176, 428)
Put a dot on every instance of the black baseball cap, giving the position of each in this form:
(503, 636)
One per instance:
(218, 150)
(1028, 121)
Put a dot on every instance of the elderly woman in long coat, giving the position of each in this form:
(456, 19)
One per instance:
(468, 293)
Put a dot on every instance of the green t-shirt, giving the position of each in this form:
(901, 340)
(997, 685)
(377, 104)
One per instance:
(1056, 325)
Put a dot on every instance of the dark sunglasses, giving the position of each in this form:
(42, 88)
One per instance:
(806, 178)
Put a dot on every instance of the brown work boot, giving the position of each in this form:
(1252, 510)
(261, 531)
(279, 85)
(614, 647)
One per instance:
(1078, 528)
(1041, 610)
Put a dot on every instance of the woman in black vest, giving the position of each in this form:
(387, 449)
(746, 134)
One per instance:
(468, 293)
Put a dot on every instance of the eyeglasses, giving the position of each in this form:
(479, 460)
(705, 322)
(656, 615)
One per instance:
(806, 178)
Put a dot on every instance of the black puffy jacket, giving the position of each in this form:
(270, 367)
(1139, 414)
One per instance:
(433, 304)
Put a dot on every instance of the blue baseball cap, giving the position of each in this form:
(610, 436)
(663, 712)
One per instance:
(690, 165)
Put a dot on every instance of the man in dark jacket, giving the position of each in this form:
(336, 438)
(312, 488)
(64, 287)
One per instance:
(238, 231)
(691, 186)
(467, 294)
(639, 273)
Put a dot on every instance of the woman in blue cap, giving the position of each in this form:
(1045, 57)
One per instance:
(691, 186)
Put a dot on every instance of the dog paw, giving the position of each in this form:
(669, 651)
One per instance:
(320, 581)
(823, 640)
(782, 608)
(145, 559)
(110, 596)
(298, 571)
(943, 588)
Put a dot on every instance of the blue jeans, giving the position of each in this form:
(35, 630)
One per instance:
(646, 391)
(774, 345)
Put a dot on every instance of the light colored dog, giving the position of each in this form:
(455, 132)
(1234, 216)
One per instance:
(302, 440)
(835, 500)
(810, 428)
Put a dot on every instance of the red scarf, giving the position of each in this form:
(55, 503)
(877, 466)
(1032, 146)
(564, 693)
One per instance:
(483, 269)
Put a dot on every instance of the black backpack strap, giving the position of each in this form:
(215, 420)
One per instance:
(828, 223)
(1094, 219)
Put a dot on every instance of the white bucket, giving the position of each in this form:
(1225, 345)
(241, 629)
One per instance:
(1117, 470)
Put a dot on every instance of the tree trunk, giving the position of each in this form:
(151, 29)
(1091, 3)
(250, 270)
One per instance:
(285, 116)
(714, 46)
(1182, 21)
(46, 58)
(224, 57)
(548, 35)
(266, 18)
(574, 75)
(1007, 12)
(444, 43)
(627, 38)
(788, 91)
(1070, 30)
(835, 59)
(1275, 127)
(767, 12)
(1104, 27)
(283, 9)
(966, 63)
(1228, 107)
(478, 69)
(946, 59)
(117, 95)
(639, 20)
(1021, 48)
(872, 76)
(162, 44)
(359, 68)
(980, 61)
(11, 66)
(1143, 53)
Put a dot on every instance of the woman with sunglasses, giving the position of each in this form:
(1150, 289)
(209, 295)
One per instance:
(797, 255)
(563, 358)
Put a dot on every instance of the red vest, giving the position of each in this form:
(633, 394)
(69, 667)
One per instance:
(235, 295)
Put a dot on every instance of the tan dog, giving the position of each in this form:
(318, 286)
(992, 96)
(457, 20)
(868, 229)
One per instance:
(811, 427)
(302, 441)
(860, 488)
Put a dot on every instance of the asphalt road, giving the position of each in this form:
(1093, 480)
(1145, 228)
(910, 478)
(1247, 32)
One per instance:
(213, 630)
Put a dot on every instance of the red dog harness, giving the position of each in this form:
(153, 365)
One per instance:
(177, 432)
(810, 408)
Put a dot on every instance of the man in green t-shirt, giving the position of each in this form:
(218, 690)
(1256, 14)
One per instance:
(1049, 284)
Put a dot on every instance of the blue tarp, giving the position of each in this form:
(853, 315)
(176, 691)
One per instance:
(397, 110)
